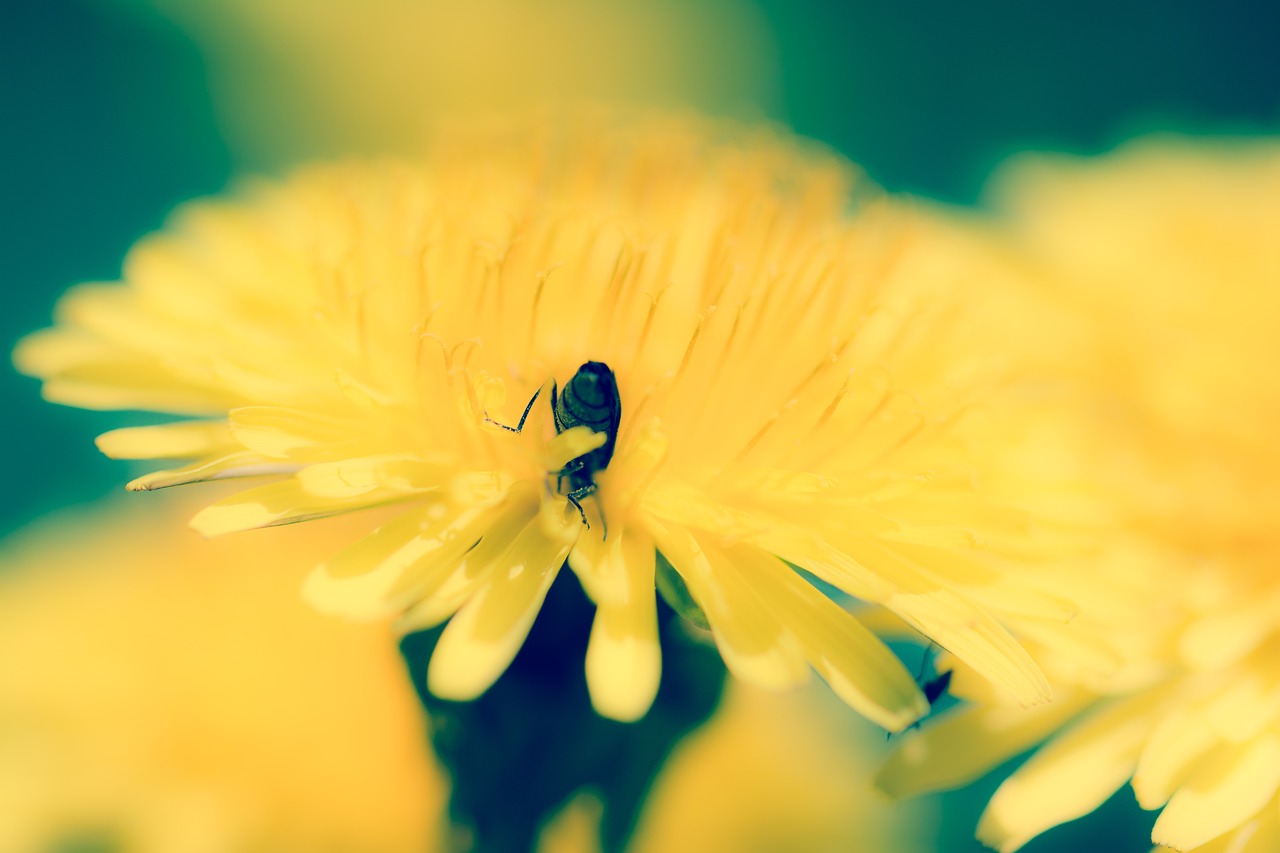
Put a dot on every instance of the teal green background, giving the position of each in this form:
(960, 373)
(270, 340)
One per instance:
(108, 125)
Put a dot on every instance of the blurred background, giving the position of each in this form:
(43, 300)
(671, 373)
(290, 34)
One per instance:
(117, 110)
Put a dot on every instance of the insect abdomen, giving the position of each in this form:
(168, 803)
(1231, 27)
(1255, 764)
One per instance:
(591, 399)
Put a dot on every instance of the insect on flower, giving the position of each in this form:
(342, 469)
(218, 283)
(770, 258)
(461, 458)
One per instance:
(589, 399)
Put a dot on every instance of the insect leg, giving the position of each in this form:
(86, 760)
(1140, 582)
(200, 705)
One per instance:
(584, 491)
(516, 429)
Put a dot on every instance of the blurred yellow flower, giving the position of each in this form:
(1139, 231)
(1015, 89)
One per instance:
(795, 386)
(167, 694)
(164, 694)
(297, 78)
(1171, 247)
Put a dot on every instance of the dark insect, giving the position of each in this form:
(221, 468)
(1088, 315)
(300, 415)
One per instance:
(934, 688)
(589, 399)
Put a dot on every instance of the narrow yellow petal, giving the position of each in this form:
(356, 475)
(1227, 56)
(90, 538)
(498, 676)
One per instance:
(167, 441)
(346, 478)
(994, 589)
(122, 382)
(356, 582)
(601, 566)
(813, 554)
(231, 466)
(115, 314)
(1071, 776)
(1246, 705)
(569, 445)
(955, 623)
(279, 503)
(976, 638)
(283, 432)
(853, 661)
(753, 642)
(624, 661)
(1258, 835)
(48, 352)
(449, 570)
(1223, 636)
(482, 639)
(966, 743)
(1180, 739)
(1232, 785)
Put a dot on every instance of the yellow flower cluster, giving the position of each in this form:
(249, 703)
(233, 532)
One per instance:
(801, 384)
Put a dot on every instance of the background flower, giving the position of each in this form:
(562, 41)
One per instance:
(296, 80)
(1168, 245)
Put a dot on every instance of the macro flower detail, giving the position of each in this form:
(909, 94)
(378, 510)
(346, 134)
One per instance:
(793, 379)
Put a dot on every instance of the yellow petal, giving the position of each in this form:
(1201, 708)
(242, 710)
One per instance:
(48, 352)
(966, 743)
(570, 444)
(1071, 776)
(168, 441)
(446, 575)
(119, 382)
(1175, 746)
(357, 582)
(813, 554)
(601, 565)
(347, 478)
(976, 638)
(624, 661)
(1259, 835)
(754, 644)
(853, 661)
(1245, 705)
(231, 466)
(1232, 785)
(282, 432)
(959, 626)
(278, 503)
(115, 314)
(482, 639)
(1222, 636)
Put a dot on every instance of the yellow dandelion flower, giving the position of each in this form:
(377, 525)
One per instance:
(793, 385)
(1170, 245)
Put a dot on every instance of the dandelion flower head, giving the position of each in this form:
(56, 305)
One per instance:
(791, 369)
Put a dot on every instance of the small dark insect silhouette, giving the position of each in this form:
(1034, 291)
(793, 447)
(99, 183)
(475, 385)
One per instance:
(936, 686)
(933, 688)
(589, 399)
